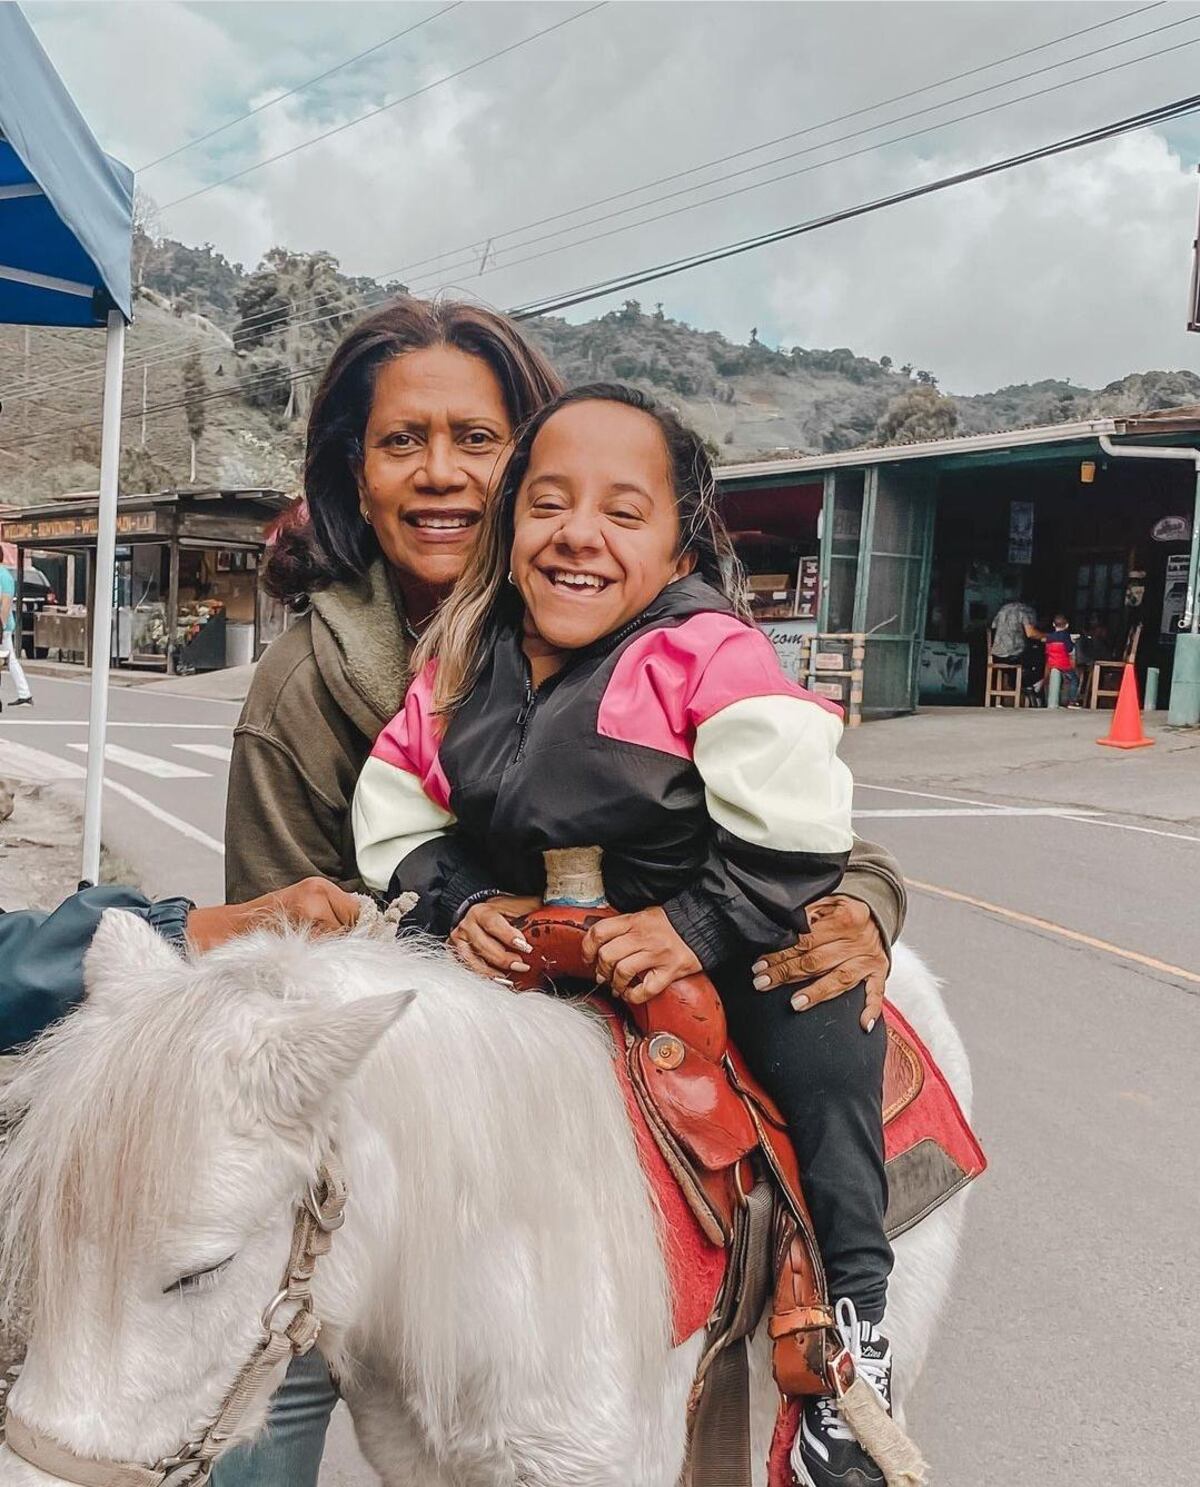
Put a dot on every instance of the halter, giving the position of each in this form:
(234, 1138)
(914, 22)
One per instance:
(319, 1214)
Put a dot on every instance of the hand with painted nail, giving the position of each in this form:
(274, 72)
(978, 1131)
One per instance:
(487, 940)
(843, 949)
(638, 955)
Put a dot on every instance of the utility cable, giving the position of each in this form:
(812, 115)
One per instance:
(201, 139)
(20, 391)
(533, 309)
(383, 108)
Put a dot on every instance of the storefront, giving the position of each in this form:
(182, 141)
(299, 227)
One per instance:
(187, 595)
(920, 545)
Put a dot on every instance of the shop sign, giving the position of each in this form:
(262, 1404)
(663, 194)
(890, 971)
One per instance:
(1174, 592)
(1020, 531)
(1172, 529)
(791, 640)
(52, 528)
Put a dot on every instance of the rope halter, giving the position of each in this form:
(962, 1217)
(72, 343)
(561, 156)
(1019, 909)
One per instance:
(320, 1214)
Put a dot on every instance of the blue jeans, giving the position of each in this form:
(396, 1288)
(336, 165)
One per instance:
(289, 1453)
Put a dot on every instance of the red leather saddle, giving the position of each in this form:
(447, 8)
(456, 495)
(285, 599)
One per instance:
(708, 1133)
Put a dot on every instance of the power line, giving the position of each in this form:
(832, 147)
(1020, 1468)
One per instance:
(497, 237)
(201, 139)
(1162, 114)
(839, 159)
(37, 388)
(238, 175)
(854, 134)
(18, 393)
(856, 113)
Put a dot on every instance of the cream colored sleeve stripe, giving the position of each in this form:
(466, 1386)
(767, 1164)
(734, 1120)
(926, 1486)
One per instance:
(772, 776)
(392, 816)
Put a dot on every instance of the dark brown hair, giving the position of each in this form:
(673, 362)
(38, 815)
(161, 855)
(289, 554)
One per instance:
(334, 542)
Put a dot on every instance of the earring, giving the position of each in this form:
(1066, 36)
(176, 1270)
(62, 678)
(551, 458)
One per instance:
(365, 514)
(511, 579)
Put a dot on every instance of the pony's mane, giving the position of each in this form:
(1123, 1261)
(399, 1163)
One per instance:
(483, 1115)
(102, 1129)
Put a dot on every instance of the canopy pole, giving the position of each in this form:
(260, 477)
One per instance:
(102, 592)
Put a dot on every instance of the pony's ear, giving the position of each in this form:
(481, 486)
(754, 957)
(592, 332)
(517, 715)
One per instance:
(301, 1057)
(123, 949)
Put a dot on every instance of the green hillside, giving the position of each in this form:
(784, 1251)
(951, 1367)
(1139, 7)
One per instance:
(238, 347)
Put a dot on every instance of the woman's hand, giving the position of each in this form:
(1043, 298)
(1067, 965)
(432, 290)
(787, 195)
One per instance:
(485, 937)
(843, 948)
(315, 903)
(639, 954)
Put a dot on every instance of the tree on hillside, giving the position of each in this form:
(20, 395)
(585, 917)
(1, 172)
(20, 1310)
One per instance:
(293, 309)
(917, 415)
(146, 235)
(194, 389)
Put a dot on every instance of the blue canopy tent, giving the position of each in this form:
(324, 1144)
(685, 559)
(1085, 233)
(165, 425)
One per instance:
(66, 231)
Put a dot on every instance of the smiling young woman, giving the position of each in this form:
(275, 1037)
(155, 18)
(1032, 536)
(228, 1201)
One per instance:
(411, 422)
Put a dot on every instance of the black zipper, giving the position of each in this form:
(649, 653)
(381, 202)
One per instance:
(524, 715)
(532, 694)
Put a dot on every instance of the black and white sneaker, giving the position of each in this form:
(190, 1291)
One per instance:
(825, 1453)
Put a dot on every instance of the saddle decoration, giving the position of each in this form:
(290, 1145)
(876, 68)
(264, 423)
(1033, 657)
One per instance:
(711, 1141)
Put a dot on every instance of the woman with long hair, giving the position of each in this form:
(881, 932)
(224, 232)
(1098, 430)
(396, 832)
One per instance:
(409, 434)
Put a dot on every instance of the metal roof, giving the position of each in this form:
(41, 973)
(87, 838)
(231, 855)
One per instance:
(70, 505)
(1157, 424)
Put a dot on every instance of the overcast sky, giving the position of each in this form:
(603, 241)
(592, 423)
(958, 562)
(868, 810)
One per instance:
(1072, 268)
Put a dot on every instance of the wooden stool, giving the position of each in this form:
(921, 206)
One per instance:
(1107, 676)
(1004, 680)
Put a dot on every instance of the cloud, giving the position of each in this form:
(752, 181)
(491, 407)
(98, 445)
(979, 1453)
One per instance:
(1077, 267)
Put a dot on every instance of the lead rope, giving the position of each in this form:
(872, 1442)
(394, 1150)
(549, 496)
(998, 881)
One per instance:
(863, 1411)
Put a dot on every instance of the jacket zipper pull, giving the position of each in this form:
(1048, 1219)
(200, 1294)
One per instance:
(527, 708)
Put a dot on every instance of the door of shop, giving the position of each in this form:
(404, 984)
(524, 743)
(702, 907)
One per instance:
(877, 542)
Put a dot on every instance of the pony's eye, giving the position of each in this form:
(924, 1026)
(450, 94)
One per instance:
(188, 1285)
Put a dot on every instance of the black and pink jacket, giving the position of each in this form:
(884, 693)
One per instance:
(677, 745)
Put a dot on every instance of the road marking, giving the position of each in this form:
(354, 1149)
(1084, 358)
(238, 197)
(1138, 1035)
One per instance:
(40, 768)
(1064, 813)
(1175, 836)
(987, 810)
(23, 763)
(184, 827)
(112, 723)
(210, 751)
(161, 769)
(1031, 921)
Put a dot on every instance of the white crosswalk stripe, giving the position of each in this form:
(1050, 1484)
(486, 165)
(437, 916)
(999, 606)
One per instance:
(162, 769)
(209, 751)
(19, 762)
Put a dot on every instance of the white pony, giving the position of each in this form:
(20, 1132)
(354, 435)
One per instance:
(496, 1305)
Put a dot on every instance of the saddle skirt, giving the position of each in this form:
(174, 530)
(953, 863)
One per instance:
(706, 1130)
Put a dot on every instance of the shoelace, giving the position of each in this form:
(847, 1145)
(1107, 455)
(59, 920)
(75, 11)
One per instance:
(873, 1371)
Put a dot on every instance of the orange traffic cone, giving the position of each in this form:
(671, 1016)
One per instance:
(1126, 731)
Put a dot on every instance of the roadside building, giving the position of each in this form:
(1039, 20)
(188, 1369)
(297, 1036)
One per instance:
(916, 546)
(187, 592)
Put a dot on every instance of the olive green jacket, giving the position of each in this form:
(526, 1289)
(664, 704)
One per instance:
(320, 695)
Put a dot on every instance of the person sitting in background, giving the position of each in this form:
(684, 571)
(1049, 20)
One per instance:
(1014, 624)
(1091, 645)
(41, 955)
(1060, 657)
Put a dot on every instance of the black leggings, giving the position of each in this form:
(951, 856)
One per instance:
(826, 1075)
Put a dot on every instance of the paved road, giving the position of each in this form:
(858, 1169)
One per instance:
(1068, 1354)
(166, 767)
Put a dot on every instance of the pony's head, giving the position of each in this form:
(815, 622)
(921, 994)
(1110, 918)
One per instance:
(159, 1141)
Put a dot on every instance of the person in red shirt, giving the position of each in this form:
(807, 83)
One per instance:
(1060, 657)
